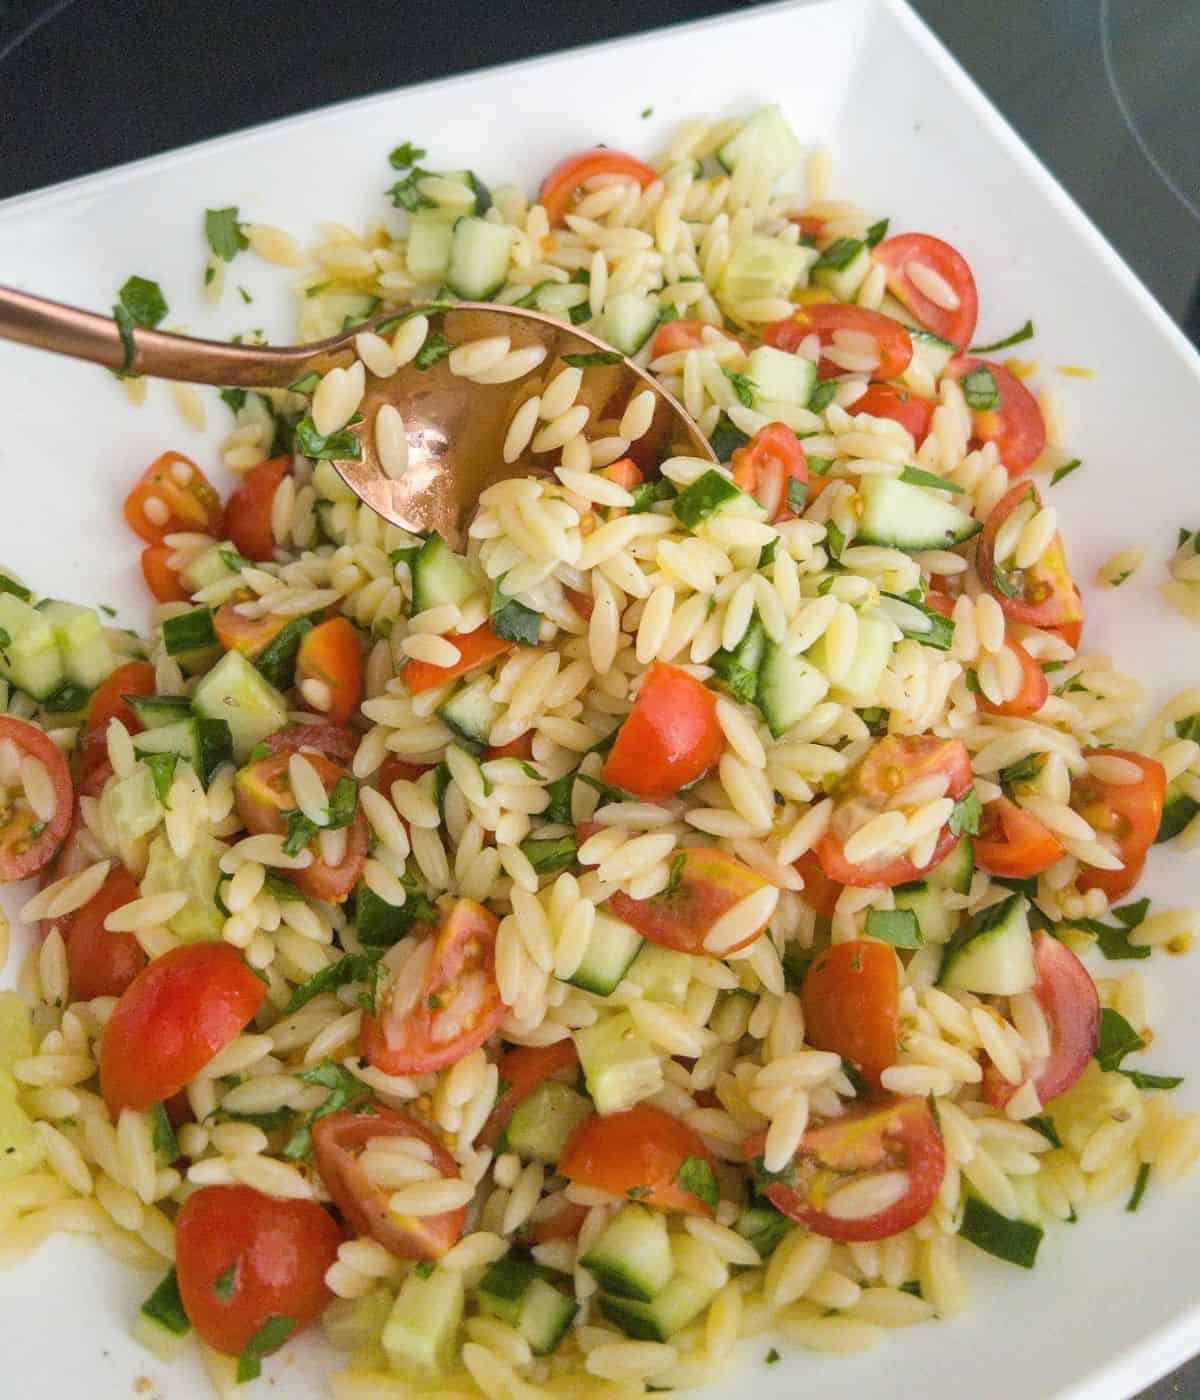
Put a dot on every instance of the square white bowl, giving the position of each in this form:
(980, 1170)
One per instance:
(1111, 1304)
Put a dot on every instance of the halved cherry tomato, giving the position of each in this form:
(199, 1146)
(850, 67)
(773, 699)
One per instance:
(242, 1257)
(1043, 596)
(521, 1071)
(179, 1012)
(624, 473)
(955, 324)
(670, 737)
(639, 1150)
(264, 793)
(474, 649)
(338, 1140)
(895, 1137)
(564, 1224)
(706, 883)
(851, 1001)
(520, 747)
(889, 765)
(1067, 995)
(332, 654)
(248, 514)
(1013, 844)
(826, 319)
(901, 405)
(396, 769)
(182, 491)
(674, 336)
(458, 1006)
(107, 702)
(819, 890)
(27, 843)
(101, 964)
(569, 175)
(1016, 426)
(249, 635)
(1032, 693)
(1130, 814)
(160, 578)
(332, 740)
(766, 467)
(810, 225)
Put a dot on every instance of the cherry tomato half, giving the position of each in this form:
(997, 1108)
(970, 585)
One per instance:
(1043, 596)
(1032, 692)
(827, 319)
(569, 175)
(332, 740)
(670, 738)
(851, 1001)
(953, 323)
(108, 702)
(639, 1150)
(896, 1138)
(1013, 844)
(26, 842)
(674, 336)
(102, 964)
(1130, 814)
(474, 649)
(248, 514)
(766, 468)
(242, 1257)
(901, 405)
(338, 1140)
(249, 635)
(819, 890)
(161, 579)
(332, 655)
(521, 1071)
(179, 1012)
(1015, 425)
(457, 1006)
(173, 495)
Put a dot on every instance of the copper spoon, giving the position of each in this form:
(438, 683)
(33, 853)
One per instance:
(455, 427)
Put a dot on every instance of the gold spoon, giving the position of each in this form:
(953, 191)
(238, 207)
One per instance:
(455, 427)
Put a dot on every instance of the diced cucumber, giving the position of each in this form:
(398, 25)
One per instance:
(160, 1341)
(662, 973)
(544, 1120)
(612, 947)
(681, 1302)
(29, 653)
(739, 668)
(478, 196)
(204, 743)
(993, 954)
(16, 1030)
(631, 1257)
(768, 141)
(470, 712)
(872, 652)
(780, 377)
(155, 711)
(620, 1067)
(421, 1336)
(957, 869)
(189, 633)
(710, 494)
(133, 803)
(479, 253)
(211, 566)
(428, 252)
(762, 1225)
(763, 267)
(931, 352)
(928, 904)
(788, 688)
(197, 877)
(86, 655)
(628, 321)
(902, 516)
(843, 268)
(235, 692)
(20, 1147)
(515, 1290)
(1014, 1241)
(277, 660)
(441, 576)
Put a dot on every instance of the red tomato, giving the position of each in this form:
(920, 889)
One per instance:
(179, 1012)
(826, 319)
(624, 473)
(893, 1135)
(1130, 815)
(395, 769)
(475, 649)
(674, 336)
(160, 578)
(851, 1001)
(1033, 691)
(264, 794)
(583, 603)
(640, 1150)
(564, 1224)
(901, 405)
(242, 1257)
(1013, 844)
(521, 1071)
(27, 844)
(107, 702)
(819, 890)
(520, 747)
(670, 738)
(1016, 427)
(707, 883)
(955, 324)
(888, 766)
(338, 1138)
(810, 225)
(101, 964)
(766, 467)
(568, 176)
(1067, 995)
(458, 1006)
(249, 635)
(329, 739)
(1044, 596)
(332, 654)
(182, 490)
(248, 514)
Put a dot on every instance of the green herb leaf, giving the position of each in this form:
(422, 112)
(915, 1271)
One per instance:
(559, 792)
(819, 466)
(675, 874)
(980, 390)
(143, 301)
(165, 1146)
(1152, 1081)
(162, 769)
(1014, 1241)
(513, 621)
(300, 831)
(226, 1281)
(550, 855)
(787, 1176)
(424, 1268)
(726, 439)
(69, 698)
(1005, 581)
(696, 1176)
(1026, 770)
(269, 1337)
(18, 590)
(224, 233)
(436, 348)
(1117, 1039)
(835, 539)
(353, 967)
(1112, 940)
(406, 154)
(1025, 333)
(406, 195)
(594, 357)
(822, 396)
(940, 632)
(1065, 470)
(233, 399)
(1045, 1126)
(649, 493)
(766, 555)
(773, 1356)
(1139, 1187)
(899, 927)
(916, 477)
(165, 1306)
(5, 638)
(305, 384)
(797, 497)
(743, 387)
(877, 232)
(343, 801)
(343, 445)
(964, 819)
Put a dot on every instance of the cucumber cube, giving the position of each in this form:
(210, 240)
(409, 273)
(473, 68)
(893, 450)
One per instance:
(620, 1067)
(421, 1336)
(779, 376)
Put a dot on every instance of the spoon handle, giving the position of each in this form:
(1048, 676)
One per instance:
(66, 330)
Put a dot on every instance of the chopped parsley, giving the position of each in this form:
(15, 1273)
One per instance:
(406, 154)
(140, 302)
(305, 385)
(649, 493)
(166, 1149)
(224, 233)
(773, 1356)
(162, 770)
(696, 1176)
(424, 1268)
(342, 803)
(233, 399)
(726, 439)
(344, 444)
(797, 496)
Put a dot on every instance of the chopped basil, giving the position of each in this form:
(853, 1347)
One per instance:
(226, 1280)
(550, 855)
(233, 399)
(1188, 728)
(406, 154)
(224, 233)
(766, 555)
(1143, 1080)
(743, 387)
(1139, 1187)
(306, 384)
(1026, 770)
(166, 1149)
(840, 254)
(1025, 333)
(513, 621)
(436, 348)
(300, 831)
(649, 493)
(696, 1176)
(1066, 470)
(1117, 1039)
(877, 232)
(345, 1091)
(1112, 939)
(69, 698)
(269, 1337)
(916, 477)
(797, 495)
(424, 1268)
(1045, 1126)
(18, 590)
(786, 1176)
(1005, 581)
(773, 1356)
(353, 967)
(675, 874)
(594, 357)
(245, 295)
(406, 195)
(140, 302)
(979, 389)
(940, 632)
(162, 770)
(579, 314)
(343, 444)
(559, 793)
(343, 801)
(647, 112)
(835, 539)
(1014, 1241)
(964, 819)
(899, 927)
(822, 396)
(165, 1306)
(726, 439)
(819, 466)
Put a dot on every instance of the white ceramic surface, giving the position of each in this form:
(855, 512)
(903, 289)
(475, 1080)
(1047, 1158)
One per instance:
(1111, 1304)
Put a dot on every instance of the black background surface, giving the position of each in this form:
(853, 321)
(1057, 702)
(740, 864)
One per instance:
(86, 84)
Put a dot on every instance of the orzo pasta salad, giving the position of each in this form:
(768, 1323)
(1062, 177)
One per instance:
(547, 963)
